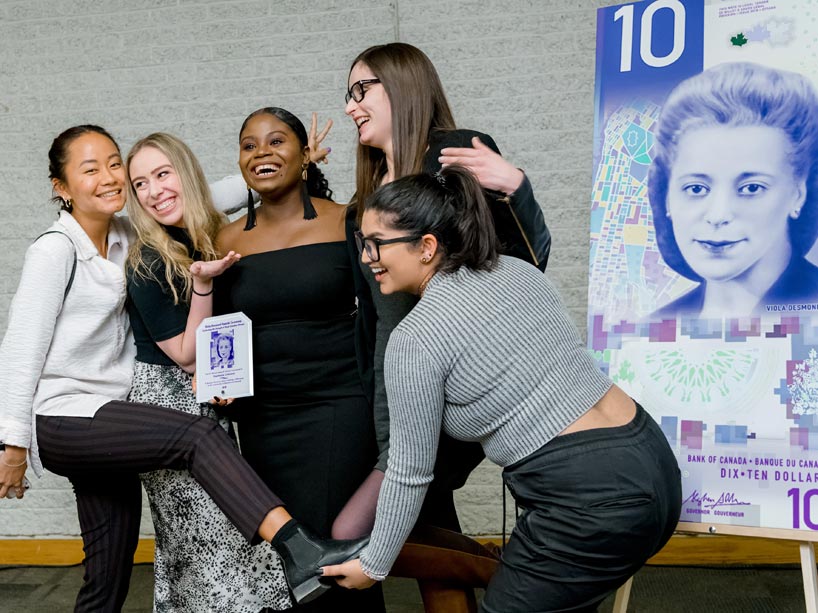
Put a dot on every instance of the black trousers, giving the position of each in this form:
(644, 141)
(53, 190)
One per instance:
(454, 463)
(102, 457)
(596, 505)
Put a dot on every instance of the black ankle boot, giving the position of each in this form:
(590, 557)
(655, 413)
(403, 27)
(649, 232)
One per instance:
(303, 554)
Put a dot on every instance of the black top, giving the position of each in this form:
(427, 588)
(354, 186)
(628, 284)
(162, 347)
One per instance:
(301, 301)
(154, 316)
(518, 219)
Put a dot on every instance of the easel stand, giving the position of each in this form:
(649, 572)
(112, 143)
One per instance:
(805, 539)
(623, 595)
(810, 576)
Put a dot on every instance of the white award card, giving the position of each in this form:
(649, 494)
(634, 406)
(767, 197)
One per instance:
(224, 357)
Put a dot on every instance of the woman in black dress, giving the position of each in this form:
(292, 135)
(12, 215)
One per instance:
(308, 430)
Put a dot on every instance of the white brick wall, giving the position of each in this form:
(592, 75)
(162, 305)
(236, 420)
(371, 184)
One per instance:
(521, 70)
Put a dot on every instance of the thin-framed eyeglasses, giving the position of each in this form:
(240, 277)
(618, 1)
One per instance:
(372, 246)
(357, 91)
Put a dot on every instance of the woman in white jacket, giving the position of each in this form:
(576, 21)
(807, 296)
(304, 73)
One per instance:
(68, 356)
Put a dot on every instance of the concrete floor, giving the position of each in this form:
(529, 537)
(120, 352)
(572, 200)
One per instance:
(655, 590)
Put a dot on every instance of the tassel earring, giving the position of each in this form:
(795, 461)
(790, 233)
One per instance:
(251, 211)
(309, 209)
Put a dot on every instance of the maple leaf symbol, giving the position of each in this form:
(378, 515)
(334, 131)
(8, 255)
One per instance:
(738, 40)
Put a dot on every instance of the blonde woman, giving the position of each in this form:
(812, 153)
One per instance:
(201, 563)
(69, 416)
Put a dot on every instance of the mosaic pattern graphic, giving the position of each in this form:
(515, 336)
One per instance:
(627, 274)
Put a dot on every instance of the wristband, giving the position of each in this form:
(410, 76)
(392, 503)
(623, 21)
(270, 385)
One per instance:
(23, 463)
(212, 289)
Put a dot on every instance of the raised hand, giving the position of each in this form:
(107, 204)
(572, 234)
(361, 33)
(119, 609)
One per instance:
(204, 271)
(315, 138)
(491, 169)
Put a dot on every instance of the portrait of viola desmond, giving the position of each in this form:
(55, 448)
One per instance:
(221, 351)
(732, 187)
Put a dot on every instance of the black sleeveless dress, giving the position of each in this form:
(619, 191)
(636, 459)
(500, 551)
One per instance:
(308, 431)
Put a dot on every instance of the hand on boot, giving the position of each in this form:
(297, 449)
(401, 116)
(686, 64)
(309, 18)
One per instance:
(349, 575)
(304, 554)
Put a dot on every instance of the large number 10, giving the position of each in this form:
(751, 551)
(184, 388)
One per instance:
(625, 13)
(797, 514)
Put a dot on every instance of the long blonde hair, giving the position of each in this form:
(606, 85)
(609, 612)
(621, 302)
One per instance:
(202, 220)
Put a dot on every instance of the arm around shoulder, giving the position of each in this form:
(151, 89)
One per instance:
(230, 194)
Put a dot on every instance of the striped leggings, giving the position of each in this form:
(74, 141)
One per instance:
(102, 457)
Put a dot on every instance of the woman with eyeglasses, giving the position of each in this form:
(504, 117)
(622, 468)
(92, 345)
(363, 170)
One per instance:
(308, 431)
(405, 126)
(490, 354)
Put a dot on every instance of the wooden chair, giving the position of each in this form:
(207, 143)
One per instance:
(448, 566)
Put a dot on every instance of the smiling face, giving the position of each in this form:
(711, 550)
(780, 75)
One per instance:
(399, 268)
(730, 194)
(94, 178)
(271, 156)
(157, 186)
(223, 347)
(373, 114)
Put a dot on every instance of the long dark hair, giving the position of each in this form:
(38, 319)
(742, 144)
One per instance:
(416, 111)
(449, 205)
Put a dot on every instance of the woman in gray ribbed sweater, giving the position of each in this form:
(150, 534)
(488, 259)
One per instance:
(489, 354)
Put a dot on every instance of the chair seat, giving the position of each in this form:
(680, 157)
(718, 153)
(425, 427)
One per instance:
(451, 558)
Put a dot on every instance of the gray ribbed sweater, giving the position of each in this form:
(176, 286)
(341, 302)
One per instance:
(486, 356)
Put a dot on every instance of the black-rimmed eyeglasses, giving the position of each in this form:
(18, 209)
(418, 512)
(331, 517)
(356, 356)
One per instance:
(372, 246)
(357, 91)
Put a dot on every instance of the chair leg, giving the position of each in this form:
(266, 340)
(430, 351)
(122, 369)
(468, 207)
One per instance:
(439, 597)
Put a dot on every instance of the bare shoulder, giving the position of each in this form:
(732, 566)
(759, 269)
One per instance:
(229, 237)
(334, 211)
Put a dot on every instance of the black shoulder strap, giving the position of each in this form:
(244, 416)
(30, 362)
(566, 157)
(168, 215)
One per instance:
(74, 249)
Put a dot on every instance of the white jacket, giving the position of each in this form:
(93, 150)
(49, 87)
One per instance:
(65, 359)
